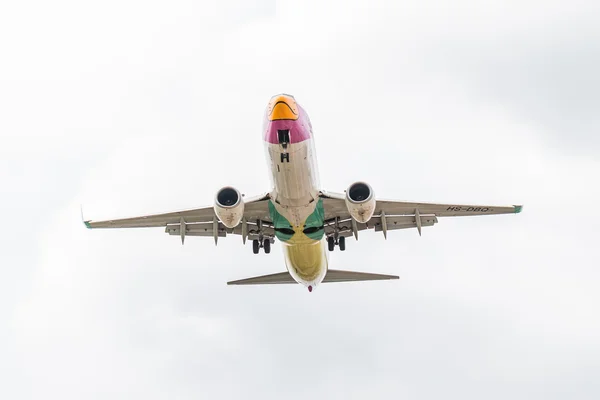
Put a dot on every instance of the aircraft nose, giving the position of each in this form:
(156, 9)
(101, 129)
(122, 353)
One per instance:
(282, 106)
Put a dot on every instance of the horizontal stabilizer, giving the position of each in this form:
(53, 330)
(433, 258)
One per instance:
(273, 279)
(334, 275)
(331, 277)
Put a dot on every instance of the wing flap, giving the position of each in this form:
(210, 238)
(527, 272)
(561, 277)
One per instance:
(198, 229)
(393, 223)
(404, 222)
(206, 229)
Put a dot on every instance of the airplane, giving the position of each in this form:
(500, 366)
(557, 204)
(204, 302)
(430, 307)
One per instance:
(308, 221)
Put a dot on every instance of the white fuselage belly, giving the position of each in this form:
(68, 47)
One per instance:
(295, 183)
(295, 195)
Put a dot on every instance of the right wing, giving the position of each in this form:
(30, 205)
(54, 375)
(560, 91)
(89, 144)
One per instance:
(199, 221)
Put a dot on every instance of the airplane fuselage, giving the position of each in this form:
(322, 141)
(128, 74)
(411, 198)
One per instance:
(295, 207)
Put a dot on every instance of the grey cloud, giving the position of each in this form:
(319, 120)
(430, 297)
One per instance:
(548, 79)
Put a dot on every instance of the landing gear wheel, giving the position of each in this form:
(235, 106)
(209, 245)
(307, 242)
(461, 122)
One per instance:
(267, 246)
(255, 246)
(342, 243)
(330, 243)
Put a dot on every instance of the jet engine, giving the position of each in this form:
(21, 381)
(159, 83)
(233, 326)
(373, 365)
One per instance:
(229, 206)
(360, 201)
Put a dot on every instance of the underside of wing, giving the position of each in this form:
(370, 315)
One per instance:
(207, 229)
(254, 209)
(345, 227)
(391, 214)
(204, 214)
(393, 207)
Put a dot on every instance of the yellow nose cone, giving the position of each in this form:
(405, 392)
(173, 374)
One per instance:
(282, 107)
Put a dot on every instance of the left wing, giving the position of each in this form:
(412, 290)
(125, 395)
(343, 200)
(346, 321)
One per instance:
(393, 214)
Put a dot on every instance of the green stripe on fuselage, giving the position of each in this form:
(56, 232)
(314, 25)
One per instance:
(280, 223)
(315, 220)
(283, 228)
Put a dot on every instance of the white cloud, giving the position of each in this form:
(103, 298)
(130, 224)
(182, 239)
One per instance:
(132, 108)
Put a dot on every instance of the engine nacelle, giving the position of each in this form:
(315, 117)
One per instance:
(360, 201)
(229, 206)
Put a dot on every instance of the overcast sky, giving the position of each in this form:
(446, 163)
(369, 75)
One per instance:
(139, 107)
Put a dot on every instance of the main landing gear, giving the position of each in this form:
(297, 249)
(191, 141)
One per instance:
(265, 244)
(336, 239)
(341, 242)
(262, 242)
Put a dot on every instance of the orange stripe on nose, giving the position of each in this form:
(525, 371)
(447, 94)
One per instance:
(282, 107)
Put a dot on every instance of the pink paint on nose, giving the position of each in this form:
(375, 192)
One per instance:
(299, 130)
(310, 289)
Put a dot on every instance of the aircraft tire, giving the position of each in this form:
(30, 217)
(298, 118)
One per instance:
(330, 243)
(267, 246)
(255, 246)
(342, 243)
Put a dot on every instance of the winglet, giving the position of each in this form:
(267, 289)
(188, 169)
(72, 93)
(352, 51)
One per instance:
(86, 223)
(518, 209)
